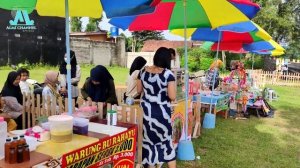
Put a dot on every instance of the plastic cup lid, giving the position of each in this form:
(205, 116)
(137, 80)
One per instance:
(60, 118)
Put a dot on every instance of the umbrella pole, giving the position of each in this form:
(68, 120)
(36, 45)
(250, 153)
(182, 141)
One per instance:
(186, 76)
(68, 58)
(185, 147)
(252, 61)
(215, 73)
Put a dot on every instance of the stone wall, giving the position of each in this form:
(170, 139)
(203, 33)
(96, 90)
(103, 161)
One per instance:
(99, 52)
(132, 55)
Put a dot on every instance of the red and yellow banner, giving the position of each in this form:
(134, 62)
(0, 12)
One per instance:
(118, 150)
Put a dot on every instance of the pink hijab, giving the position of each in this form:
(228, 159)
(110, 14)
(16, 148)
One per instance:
(51, 77)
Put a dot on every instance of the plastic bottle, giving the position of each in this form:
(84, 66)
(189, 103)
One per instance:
(3, 133)
(20, 154)
(12, 155)
(26, 153)
(14, 145)
(7, 148)
(15, 142)
(22, 140)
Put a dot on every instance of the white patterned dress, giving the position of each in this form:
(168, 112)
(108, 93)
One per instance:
(157, 130)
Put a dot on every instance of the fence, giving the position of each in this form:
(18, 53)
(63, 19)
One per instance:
(263, 78)
(35, 106)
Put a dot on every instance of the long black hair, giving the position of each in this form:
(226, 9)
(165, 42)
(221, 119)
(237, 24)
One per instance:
(162, 58)
(63, 65)
(138, 63)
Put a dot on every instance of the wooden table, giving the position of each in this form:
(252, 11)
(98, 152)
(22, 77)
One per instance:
(35, 158)
(38, 157)
(219, 103)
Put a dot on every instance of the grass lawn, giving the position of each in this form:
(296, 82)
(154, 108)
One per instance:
(38, 73)
(253, 143)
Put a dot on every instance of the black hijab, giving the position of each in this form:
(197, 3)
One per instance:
(138, 63)
(63, 65)
(10, 89)
(99, 93)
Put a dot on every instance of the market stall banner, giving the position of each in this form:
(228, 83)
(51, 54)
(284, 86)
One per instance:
(178, 118)
(118, 151)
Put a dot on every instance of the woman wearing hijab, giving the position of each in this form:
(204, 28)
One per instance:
(75, 75)
(136, 66)
(13, 98)
(51, 85)
(99, 87)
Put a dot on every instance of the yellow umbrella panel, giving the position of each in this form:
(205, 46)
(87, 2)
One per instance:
(77, 8)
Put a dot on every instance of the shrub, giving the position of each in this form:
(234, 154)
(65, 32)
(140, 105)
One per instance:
(258, 62)
(198, 58)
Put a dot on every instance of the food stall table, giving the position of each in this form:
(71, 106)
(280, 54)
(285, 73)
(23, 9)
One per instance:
(110, 145)
(219, 102)
(35, 158)
(58, 149)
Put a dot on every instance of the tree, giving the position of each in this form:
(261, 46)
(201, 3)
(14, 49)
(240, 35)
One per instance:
(76, 24)
(139, 37)
(93, 25)
(277, 18)
(281, 19)
(128, 42)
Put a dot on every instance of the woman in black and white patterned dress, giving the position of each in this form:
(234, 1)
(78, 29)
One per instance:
(158, 84)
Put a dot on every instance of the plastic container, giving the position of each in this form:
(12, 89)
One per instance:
(3, 133)
(111, 117)
(80, 126)
(61, 128)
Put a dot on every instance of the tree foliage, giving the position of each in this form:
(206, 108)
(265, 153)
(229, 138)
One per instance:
(198, 58)
(76, 24)
(139, 37)
(281, 20)
(128, 42)
(93, 25)
(277, 18)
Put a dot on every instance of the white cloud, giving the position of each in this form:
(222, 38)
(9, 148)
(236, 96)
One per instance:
(104, 25)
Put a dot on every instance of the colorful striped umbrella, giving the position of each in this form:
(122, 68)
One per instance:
(77, 8)
(115, 8)
(261, 46)
(269, 52)
(207, 34)
(28, 5)
(175, 14)
(169, 15)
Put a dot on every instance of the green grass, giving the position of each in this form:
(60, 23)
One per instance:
(257, 143)
(253, 143)
(38, 73)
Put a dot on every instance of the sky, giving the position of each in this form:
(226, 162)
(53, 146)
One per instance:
(104, 25)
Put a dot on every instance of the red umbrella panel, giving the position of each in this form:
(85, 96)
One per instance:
(169, 15)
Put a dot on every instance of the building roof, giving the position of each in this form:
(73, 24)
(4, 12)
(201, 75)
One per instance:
(153, 45)
(88, 33)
